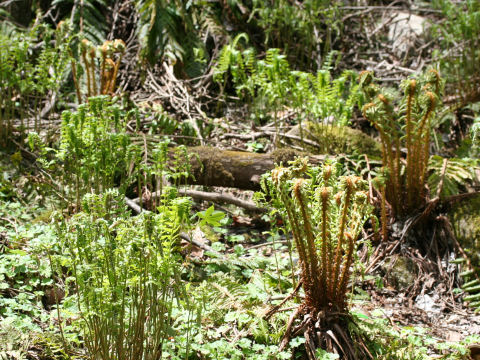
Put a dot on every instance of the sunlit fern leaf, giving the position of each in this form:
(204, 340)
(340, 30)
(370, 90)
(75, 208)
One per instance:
(211, 26)
(471, 281)
(458, 172)
(231, 56)
(227, 293)
(94, 19)
(159, 22)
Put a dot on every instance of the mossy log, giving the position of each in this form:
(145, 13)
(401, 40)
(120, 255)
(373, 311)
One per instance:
(332, 139)
(237, 169)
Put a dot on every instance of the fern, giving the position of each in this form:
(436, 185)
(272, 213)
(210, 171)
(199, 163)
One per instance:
(127, 275)
(168, 29)
(233, 60)
(290, 26)
(405, 123)
(325, 214)
(88, 18)
(458, 173)
(269, 85)
(95, 150)
(471, 281)
(459, 38)
(27, 79)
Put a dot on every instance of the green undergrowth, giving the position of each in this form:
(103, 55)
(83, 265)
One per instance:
(392, 341)
(84, 276)
(229, 300)
(229, 292)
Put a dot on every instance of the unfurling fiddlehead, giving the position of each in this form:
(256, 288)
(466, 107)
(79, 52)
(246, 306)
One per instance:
(108, 67)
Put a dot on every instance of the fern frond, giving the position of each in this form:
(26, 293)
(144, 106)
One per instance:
(458, 173)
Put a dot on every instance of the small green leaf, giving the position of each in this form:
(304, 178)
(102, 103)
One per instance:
(211, 217)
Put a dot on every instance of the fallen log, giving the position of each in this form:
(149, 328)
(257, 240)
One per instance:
(238, 169)
(208, 196)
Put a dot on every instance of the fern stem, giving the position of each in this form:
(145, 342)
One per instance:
(325, 194)
(341, 234)
(384, 213)
(75, 80)
(297, 236)
(115, 74)
(342, 285)
(102, 69)
(422, 147)
(396, 172)
(87, 71)
(312, 254)
(92, 72)
(408, 120)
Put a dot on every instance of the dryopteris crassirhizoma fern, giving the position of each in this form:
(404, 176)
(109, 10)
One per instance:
(110, 55)
(96, 153)
(325, 214)
(270, 85)
(404, 124)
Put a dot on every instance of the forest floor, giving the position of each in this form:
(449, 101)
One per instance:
(405, 297)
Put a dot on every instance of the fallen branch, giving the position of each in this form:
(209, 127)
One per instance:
(133, 205)
(223, 198)
(201, 245)
(213, 197)
(257, 135)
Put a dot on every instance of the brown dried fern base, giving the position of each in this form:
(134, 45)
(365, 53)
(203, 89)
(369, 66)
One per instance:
(327, 330)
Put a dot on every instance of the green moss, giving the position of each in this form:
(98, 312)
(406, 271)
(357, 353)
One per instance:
(337, 140)
(465, 218)
(212, 168)
(401, 271)
(43, 218)
(284, 155)
(210, 235)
